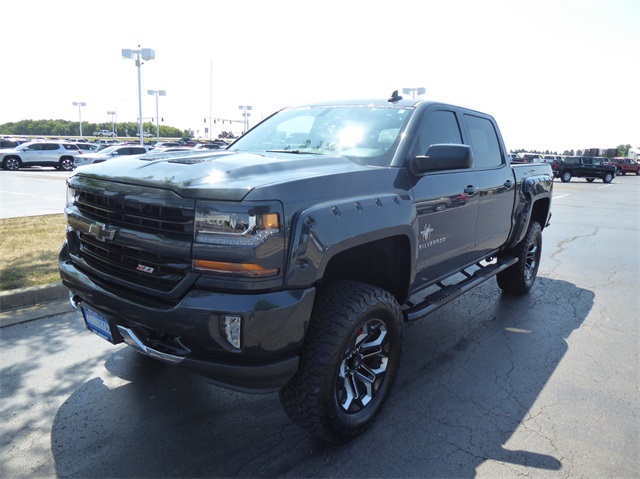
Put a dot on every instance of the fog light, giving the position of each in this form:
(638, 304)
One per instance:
(231, 329)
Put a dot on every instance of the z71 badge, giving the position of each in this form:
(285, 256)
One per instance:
(145, 269)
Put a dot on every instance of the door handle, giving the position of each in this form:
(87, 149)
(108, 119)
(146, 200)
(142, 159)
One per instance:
(508, 184)
(471, 190)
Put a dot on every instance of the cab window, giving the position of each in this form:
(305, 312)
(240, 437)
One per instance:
(439, 127)
(484, 141)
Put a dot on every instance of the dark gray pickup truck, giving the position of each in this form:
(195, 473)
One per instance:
(291, 260)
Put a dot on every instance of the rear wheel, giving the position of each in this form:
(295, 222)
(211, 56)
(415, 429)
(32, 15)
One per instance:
(566, 177)
(608, 177)
(11, 163)
(66, 164)
(348, 363)
(519, 278)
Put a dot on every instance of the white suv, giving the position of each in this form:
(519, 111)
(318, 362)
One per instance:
(110, 152)
(58, 154)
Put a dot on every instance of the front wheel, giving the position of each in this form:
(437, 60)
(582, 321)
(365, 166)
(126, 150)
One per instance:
(11, 164)
(566, 177)
(519, 278)
(607, 178)
(348, 363)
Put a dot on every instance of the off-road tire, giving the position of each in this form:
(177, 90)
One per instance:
(354, 340)
(519, 278)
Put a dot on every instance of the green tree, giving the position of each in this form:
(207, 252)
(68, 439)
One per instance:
(623, 150)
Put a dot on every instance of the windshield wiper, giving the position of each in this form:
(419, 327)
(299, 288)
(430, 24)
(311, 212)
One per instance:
(295, 152)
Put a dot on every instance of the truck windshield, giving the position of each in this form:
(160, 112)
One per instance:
(365, 134)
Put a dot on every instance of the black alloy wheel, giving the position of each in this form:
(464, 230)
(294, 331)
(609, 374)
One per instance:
(348, 363)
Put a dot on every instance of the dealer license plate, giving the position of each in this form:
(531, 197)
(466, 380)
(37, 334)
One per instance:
(96, 323)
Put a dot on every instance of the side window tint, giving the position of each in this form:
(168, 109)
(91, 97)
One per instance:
(484, 141)
(50, 146)
(439, 127)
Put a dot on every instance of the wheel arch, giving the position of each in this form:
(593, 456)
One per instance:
(372, 240)
(385, 263)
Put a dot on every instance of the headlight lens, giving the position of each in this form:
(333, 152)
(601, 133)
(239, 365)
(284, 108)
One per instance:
(71, 197)
(238, 240)
(249, 228)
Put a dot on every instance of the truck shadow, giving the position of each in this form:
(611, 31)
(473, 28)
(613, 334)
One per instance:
(469, 379)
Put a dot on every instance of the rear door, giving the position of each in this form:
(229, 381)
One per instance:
(51, 152)
(495, 182)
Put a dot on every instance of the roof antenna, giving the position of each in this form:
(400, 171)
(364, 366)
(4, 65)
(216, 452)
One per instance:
(395, 97)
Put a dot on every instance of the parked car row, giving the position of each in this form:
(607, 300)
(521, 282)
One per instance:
(588, 167)
(66, 155)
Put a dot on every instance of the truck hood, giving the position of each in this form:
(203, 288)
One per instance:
(223, 175)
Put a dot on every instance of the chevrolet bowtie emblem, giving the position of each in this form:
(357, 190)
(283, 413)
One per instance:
(101, 232)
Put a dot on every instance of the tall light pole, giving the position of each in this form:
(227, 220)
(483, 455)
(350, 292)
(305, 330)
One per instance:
(140, 54)
(157, 93)
(246, 115)
(420, 91)
(113, 127)
(80, 104)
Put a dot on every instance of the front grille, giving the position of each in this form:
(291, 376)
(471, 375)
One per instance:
(151, 248)
(154, 271)
(135, 213)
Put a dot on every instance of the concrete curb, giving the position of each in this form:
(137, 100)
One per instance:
(28, 304)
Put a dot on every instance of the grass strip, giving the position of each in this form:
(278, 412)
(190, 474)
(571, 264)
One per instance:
(29, 249)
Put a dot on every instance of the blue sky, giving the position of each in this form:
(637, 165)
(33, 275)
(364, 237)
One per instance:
(556, 74)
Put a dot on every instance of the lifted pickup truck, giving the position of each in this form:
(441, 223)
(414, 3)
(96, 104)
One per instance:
(291, 260)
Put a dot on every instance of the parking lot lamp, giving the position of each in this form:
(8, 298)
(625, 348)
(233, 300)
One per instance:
(139, 55)
(80, 104)
(413, 91)
(246, 115)
(157, 93)
(113, 127)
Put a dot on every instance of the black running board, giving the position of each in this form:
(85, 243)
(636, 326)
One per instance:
(446, 293)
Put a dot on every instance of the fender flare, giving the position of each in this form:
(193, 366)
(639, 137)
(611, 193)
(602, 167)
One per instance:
(322, 231)
(533, 189)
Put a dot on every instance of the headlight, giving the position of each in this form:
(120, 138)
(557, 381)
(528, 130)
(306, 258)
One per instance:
(235, 228)
(71, 197)
(238, 240)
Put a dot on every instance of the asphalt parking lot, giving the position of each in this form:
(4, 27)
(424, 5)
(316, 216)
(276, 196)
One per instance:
(490, 386)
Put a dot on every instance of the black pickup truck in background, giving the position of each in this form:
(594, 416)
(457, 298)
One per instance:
(583, 167)
(291, 260)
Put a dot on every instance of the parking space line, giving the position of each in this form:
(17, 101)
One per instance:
(561, 196)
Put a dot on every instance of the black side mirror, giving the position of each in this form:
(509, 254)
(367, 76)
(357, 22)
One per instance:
(443, 157)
